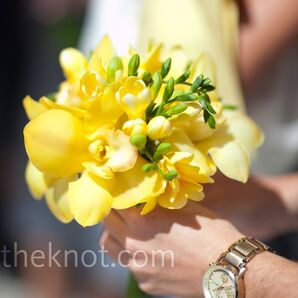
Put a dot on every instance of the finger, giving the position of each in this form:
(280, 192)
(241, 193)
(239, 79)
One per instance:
(111, 245)
(115, 225)
(129, 215)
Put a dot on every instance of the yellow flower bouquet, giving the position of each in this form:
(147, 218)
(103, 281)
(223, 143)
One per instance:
(132, 131)
(127, 131)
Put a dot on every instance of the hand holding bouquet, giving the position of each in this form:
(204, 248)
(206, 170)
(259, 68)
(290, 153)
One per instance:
(126, 131)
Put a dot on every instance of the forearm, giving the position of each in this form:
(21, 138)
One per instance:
(269, 275)
(267, 27)
(286, 186)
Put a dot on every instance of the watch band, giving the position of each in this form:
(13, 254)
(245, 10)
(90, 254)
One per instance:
(241, 252)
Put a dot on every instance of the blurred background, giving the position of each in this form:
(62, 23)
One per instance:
(33, 32)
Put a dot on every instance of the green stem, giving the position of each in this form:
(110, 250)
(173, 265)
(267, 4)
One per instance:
(133, 290)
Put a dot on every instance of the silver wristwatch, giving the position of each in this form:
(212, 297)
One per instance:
(224, 278)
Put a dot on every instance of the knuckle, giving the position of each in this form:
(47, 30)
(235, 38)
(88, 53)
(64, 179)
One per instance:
(103, 239)
(148, 288)
(131, 244)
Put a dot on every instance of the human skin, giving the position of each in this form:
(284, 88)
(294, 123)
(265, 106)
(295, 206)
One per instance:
(266, 28)
(197, 237)
(264, 207)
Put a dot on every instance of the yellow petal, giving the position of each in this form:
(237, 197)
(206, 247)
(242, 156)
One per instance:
(55, 143)
(103, 172)
(124, 154)
(104, 110)
(149, 206)
(89, 199)
(188, 191)
(152, 62)
(135, 186)
(36, 181)
(134, 127)
(73, 63)
(92, 84)
(232, 159)
(32, 107)
(57, 199)
(181, 142)
(105, 50)
(188, 170)
(245, 131)
(80, 113)
(95, 65)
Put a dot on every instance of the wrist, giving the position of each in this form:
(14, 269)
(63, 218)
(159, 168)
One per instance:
(229, 272)
(222, 240)
(255, 286)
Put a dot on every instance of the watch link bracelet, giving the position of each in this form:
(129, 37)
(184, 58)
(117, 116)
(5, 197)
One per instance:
(224, 278)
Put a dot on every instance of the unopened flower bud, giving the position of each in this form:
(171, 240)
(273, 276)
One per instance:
(139, 141)
(135, 127)
(114, 65)
(158, 128)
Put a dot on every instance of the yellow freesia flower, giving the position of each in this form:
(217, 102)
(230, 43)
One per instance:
(181, 142)
(84, 79)
(73, 63)
(54, 190)
(191, 121)
(55, 143)
(125, 190)
(158, 128)
(186, 186)
(111, 152)
(97, 200)
(232, 144)
(135, 127)
(33, 108)
(134, 97)
(103, 111)
(153, 62)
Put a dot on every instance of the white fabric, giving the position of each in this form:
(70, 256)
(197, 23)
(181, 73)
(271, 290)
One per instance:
(117, 18)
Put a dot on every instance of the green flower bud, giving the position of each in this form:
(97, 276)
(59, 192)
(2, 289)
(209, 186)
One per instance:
(147, 77)
(114, 65)
(183, 77)
(165, 68)
(139, 141)
(187, 97)
(157, 82)
(177, 93)
(197, 83)
(163, 148)
(169, 89)
(175, 110)
(148, 167)
(171, 175)
(133, 65)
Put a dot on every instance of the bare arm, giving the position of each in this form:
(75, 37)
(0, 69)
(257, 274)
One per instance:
(269, 275)
(267, 27)
(287, 188)
(264, 207)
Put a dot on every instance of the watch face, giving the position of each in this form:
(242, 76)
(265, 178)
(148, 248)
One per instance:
(219, 282)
